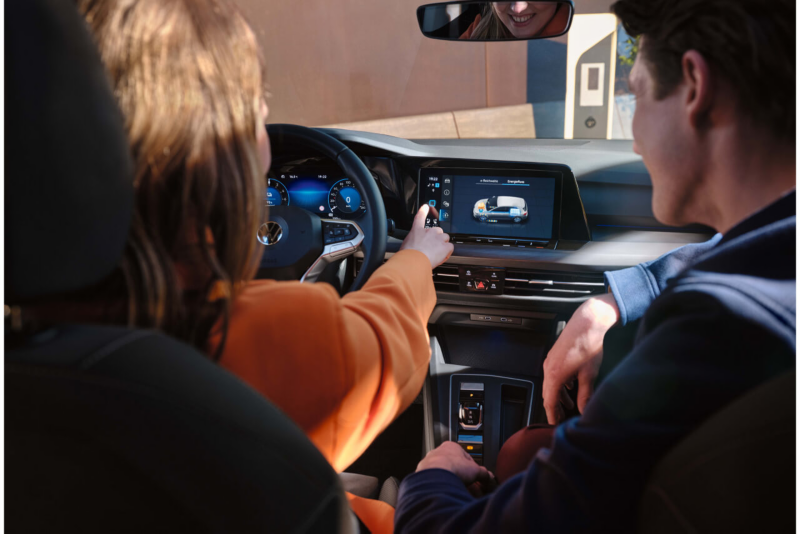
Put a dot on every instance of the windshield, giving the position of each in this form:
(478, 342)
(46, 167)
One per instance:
(364, 65)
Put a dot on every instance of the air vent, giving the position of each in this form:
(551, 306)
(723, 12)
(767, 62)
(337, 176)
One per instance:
(445, 278)
(553, 284)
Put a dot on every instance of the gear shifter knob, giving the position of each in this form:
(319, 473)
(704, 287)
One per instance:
(470, 415)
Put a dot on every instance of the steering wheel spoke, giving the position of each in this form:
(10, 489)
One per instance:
(297, 244)
(342, 239)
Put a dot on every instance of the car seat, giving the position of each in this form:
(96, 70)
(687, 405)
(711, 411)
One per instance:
(735, 473)
(110, 429)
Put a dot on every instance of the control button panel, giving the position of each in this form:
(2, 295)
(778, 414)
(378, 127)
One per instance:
(481, 280)
(337, 232)
(472, 443)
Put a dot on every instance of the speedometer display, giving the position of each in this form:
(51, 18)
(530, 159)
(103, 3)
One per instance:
(276, 194)
(345, 200)
(320, 190)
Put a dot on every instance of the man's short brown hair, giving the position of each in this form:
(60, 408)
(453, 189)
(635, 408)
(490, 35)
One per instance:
(751, 43)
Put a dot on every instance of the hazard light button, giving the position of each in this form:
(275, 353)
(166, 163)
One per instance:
(488, 280)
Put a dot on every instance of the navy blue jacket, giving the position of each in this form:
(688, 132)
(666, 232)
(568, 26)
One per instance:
(719, 326)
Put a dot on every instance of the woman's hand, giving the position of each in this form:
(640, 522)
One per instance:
(451, 457)
(577, 353)
(432, 242)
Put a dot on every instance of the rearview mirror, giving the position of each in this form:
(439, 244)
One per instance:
(495, 21)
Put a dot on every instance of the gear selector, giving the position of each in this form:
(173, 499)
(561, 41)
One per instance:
(470, 419)
(470, 415)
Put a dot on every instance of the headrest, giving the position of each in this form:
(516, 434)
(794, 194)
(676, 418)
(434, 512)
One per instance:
(68, 171)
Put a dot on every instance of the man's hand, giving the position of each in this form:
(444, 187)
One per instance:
(451, 457)
(432, 242)
(577, 353)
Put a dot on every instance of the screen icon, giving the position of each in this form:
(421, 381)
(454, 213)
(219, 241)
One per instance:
(432, 203)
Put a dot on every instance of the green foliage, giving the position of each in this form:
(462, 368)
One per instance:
(630, 48)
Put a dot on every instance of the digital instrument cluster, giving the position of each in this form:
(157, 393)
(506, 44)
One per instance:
(327, 195)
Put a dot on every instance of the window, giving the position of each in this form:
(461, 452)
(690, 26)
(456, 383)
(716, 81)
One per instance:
(365, 65)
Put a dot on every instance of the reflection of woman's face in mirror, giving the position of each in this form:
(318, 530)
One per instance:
(525, 19)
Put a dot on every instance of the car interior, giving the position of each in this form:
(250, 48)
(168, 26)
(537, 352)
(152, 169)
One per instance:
(102, 436)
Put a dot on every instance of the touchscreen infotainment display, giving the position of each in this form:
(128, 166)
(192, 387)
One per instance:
(499, 204)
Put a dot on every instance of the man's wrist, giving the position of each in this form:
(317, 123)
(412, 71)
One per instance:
(434, 463)
(604, 310)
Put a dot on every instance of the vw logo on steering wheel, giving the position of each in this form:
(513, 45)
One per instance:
(270, 233)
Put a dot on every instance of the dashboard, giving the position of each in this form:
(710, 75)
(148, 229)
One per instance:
(588, 202)
(322, 191)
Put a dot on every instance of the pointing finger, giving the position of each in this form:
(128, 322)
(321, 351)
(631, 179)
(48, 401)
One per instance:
(422, 214)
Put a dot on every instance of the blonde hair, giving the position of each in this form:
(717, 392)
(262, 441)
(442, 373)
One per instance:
(187, 75)
(490, 26)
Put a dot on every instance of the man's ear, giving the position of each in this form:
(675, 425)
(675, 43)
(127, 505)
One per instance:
(699, 96)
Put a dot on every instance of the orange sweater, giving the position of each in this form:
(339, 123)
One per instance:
(342, 368)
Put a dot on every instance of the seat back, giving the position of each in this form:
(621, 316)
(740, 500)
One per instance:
(117, 430)
(736, 473)
(68, 171)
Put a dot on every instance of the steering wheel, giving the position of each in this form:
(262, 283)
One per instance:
(298, 244)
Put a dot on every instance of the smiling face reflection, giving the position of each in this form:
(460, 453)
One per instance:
(525, 19)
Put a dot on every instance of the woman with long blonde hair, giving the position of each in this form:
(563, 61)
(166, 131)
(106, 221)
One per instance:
(188, 77)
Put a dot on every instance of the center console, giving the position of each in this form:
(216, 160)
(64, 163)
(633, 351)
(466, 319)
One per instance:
(485, 379)
(490, 410)
(496, 319)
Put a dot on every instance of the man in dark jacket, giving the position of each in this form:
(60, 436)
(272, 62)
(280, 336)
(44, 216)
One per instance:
(715, 125)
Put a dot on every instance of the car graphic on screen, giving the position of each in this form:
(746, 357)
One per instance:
(501, 209)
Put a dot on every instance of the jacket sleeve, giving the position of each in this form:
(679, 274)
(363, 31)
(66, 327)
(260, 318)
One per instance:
(385, 351)
(635, 288)
(342, 368)
(689, 366)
